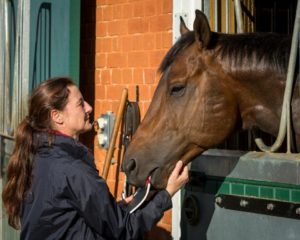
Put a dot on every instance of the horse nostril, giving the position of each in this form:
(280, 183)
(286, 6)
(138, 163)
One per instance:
(131, 165)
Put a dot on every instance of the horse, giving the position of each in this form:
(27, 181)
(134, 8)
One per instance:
(211, 85)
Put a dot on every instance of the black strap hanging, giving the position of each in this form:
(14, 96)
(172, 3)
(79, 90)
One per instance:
(131, 121)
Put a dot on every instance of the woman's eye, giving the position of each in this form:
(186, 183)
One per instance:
(81, 103)
(177, 90)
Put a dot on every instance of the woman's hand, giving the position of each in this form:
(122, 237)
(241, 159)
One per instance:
(126, 201)
(178, 178)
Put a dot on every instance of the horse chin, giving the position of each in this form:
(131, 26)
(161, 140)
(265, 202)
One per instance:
(158, 179)
(160, 175)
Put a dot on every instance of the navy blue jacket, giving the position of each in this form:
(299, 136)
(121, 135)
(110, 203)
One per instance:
(68, 199)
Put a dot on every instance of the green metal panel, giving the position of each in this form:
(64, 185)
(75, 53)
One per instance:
(54, 51)
(55, 39)
(260, 189)
(253, 178)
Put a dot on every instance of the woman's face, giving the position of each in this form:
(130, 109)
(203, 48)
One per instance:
(75, 115)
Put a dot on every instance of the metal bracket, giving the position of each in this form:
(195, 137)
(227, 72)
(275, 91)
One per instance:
(258, 205)
(105, 124)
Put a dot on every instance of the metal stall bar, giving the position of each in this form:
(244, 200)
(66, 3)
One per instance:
(21, 64)
(5, 69)
(238, 13)
(285, 121)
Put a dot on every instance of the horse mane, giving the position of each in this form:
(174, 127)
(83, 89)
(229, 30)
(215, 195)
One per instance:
(252, 51)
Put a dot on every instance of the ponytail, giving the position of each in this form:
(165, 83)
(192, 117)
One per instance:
(19, 171)
(50, 94)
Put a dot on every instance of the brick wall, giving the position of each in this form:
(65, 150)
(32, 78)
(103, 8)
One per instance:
(123, 43)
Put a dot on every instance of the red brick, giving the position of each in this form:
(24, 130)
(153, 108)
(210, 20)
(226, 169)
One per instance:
(137, 25)
(138, 42)
(150, 8)
(144, 108)
(100, 60)
(149, 76)
(115, 1)
(116, 27)
(158, 40)
(159, 6)
(97, 76)
(101, 29)
(144, 92)
(99, 2)
(106, 44)
(167, 6)
(138, 9)
(149, 41)
(98, 45)
(138, 76)
(167, 219)
(111, 184)
(99, 14)
(107, 13)
(116, 103)
(132, 92)
(98, 108)
(105, 77)
(127, 11)
(153, 89)
(127, 76)
(107, 105)
(116, 44)
(127, 43)
(138, 59)
(155, 58)
(165, 226)
(167, 40)
(160, 23)
(100, 92)
(114, 92)
(116, 76)
(117, 11)
(116, 60)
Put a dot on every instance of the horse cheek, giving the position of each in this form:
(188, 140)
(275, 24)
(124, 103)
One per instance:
(217, 114)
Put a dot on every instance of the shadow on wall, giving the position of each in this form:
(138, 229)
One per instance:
(87, 60)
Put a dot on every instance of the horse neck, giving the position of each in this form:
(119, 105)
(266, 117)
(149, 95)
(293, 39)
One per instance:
(259, 97)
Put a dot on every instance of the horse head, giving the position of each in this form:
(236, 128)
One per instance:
(192, 109)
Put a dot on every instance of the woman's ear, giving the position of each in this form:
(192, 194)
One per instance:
(56, 116)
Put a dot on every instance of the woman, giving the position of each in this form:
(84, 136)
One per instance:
(53, 189)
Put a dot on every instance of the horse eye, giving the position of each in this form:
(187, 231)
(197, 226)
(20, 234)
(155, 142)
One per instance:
(177, 90)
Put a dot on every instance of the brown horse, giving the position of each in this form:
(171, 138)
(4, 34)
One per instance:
(211, 85)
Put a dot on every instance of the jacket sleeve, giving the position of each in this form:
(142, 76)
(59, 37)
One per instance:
(92, 199)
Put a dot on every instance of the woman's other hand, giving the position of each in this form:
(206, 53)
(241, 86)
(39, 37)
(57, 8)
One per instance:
(178, 178)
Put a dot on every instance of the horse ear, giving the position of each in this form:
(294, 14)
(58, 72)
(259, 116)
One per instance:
(202, 29)
(183, 27)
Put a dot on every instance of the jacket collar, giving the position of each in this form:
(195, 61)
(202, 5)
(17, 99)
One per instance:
(57, 141)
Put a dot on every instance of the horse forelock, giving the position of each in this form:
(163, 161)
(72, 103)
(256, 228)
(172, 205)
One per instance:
(240, 51)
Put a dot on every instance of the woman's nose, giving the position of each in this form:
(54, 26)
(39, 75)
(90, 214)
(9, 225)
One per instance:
(87, 107)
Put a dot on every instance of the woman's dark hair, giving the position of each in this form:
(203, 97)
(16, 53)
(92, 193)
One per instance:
(50, 94)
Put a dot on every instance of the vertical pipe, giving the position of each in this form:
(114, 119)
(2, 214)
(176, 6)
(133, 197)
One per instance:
(2, 64)
(227, 16)
(238, 13)
(216, 16)
(6, 99)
